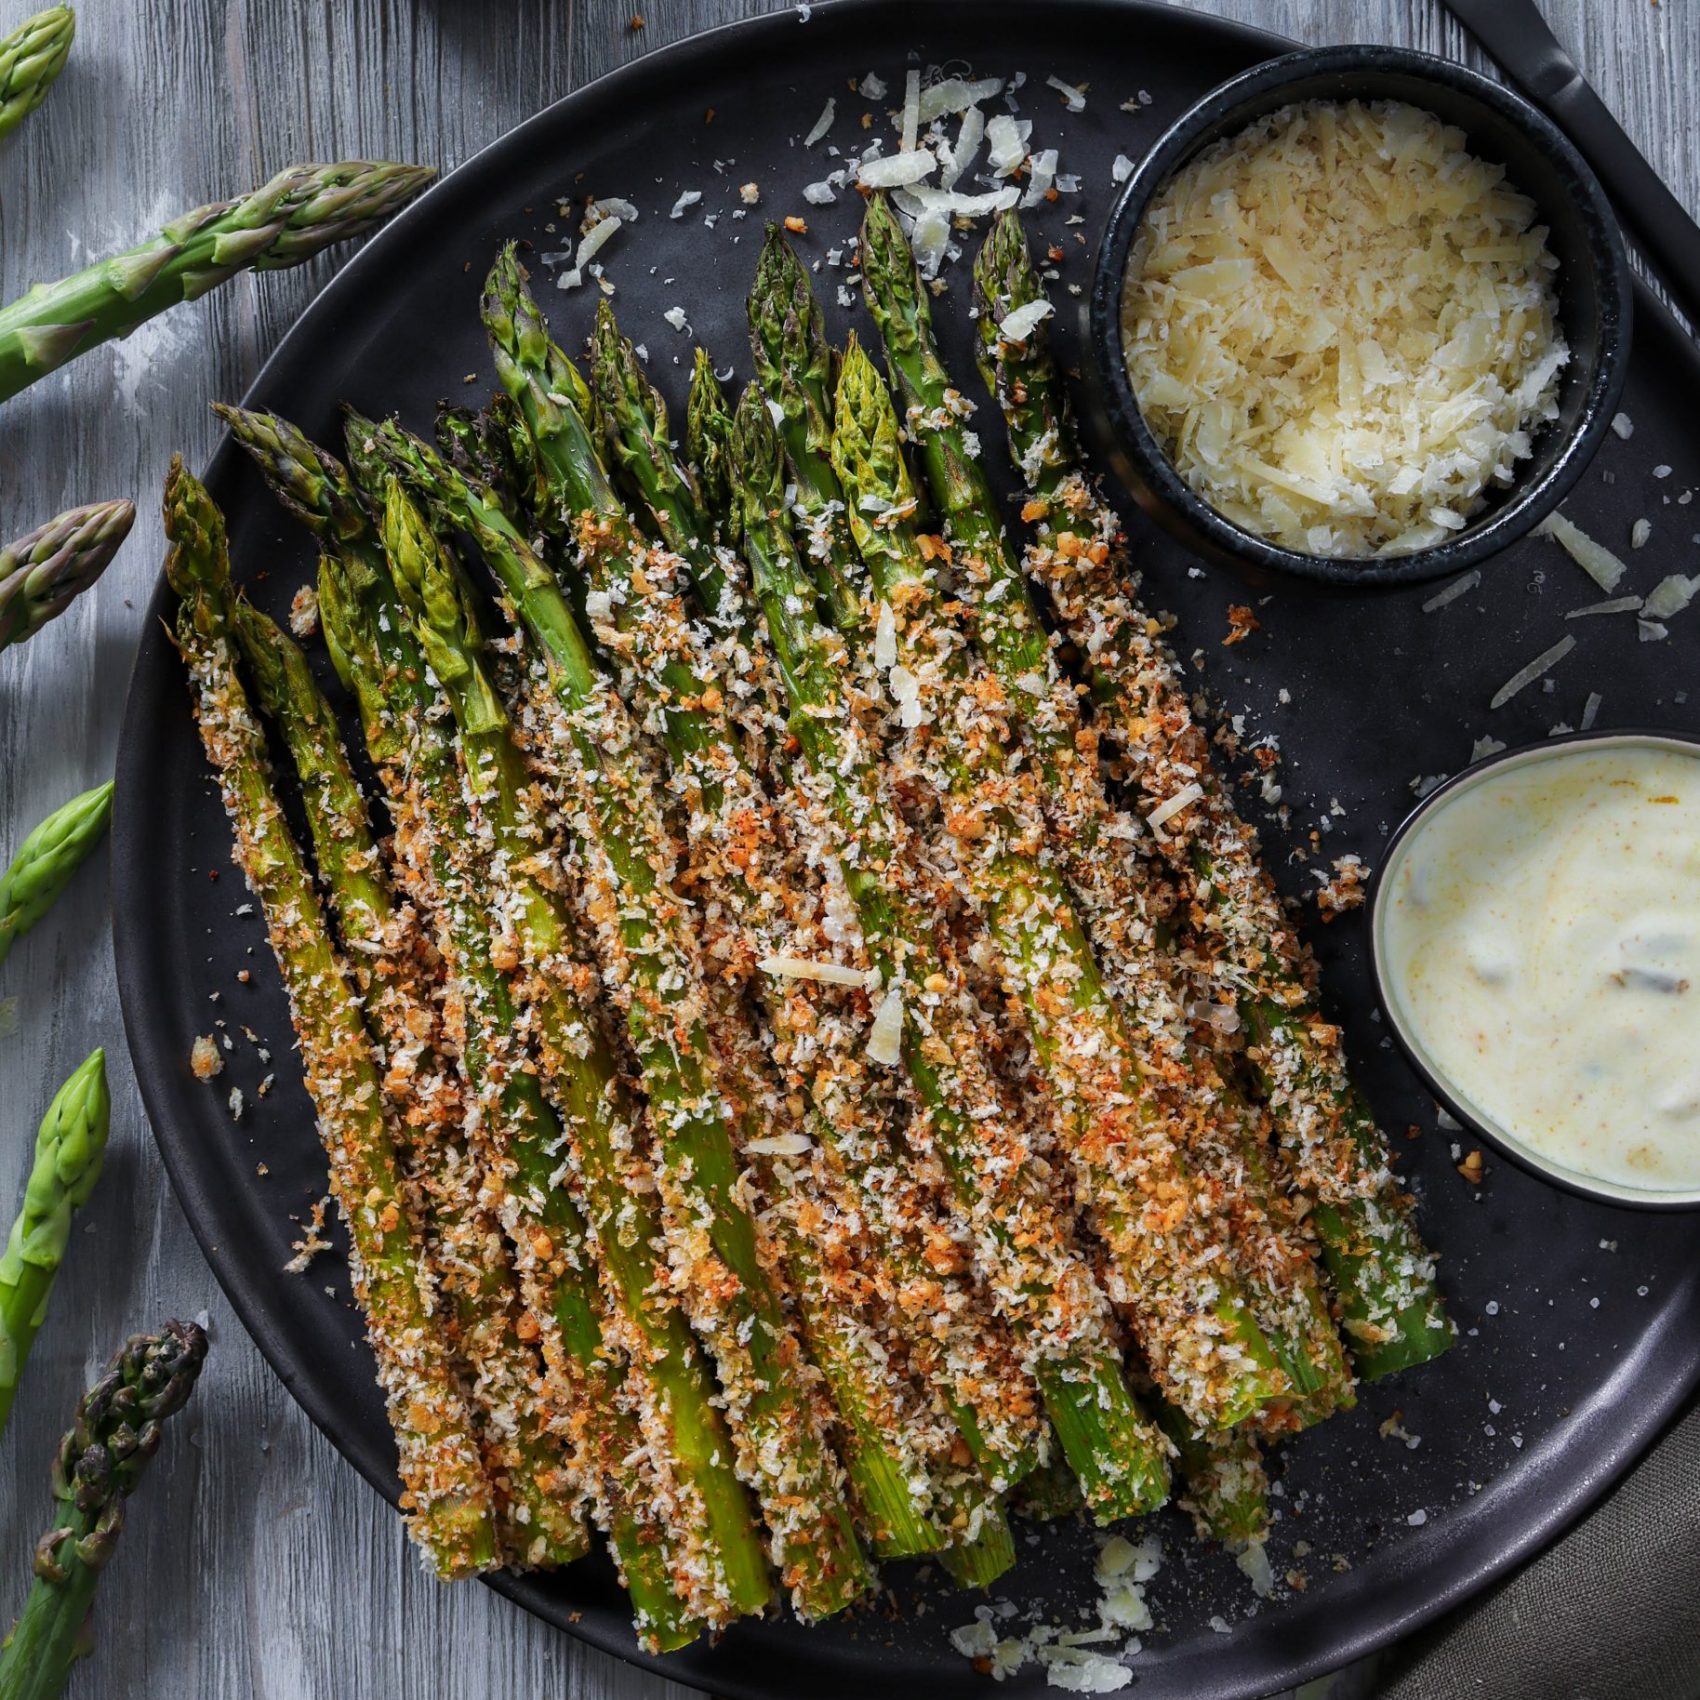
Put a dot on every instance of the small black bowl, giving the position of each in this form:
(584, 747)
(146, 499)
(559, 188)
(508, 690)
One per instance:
(1593, 285)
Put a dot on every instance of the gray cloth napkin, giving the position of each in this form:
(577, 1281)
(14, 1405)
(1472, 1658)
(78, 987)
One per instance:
(1610, 1613)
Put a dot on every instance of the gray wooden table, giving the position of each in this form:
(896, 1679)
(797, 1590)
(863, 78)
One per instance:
(257, 1563)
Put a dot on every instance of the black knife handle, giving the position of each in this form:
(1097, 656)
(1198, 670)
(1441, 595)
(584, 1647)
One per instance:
(1662, 228)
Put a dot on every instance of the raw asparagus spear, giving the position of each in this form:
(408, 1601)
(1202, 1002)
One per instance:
(1027, 1253)
(731, 1296)
(537, 1496)
(1384, 1276)
(751, 892)
(290, 219)
(1191, 1313)
(44, 570)
(68, 1153)
(645, 1429)
(47, 859)
(446, 1491)
(99, 1464)
(31, 57)
(724, 1265)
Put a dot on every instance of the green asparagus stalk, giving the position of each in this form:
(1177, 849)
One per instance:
(69, 1150)
(1223, 1482)
(446, 1491)
(729, 1287)
(1192, 1316)
(1216, 1132)
(648, 957)
(1383, 1274)
(988, 1395)
(1030, 1261)
(493, 448)
(751, 892)
(118, 1428)
(47, 859)
(46, 569)
(296, 215)
(540, 1522)
(31, 58)
(708, 442)
(796, 369)
(646, 1428)
(624, 1383)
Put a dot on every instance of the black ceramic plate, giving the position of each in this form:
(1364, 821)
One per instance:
(1581, 1325)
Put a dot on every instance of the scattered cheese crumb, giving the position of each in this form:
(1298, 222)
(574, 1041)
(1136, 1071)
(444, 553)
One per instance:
(304, 612)
(204, 1060)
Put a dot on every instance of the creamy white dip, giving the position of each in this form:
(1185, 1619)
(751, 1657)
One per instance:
(1540, 946)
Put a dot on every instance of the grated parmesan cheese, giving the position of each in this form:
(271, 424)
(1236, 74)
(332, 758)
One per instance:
(1342, 326)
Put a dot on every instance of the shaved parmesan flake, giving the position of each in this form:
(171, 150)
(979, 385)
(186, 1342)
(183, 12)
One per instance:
(895, 170)
(953, 204)
(779, 1145)
(872, 87)
(675, 316)
(1543, 663)
(690, 198)
(822, 124)
(1623, 425)
(802, 968)
(1342, 327)
(1020, 324)
(931, 241)
(1172, 806)
(1073, 98)
(1121, 168)
(1006, 142)
(1464, 582)
(602, 221)
(1670, 596)
(1617, 605)
(1591, 710)
(1254, 1561)
(1078, 1671)
(1481, 749)
(1639, 532)
(1651, 631)
(911, 110)
(959, 155)
(885, 638)
(956, 94)
(1597, 561)
(885, 1037)
(820, 194)
(1041, 175)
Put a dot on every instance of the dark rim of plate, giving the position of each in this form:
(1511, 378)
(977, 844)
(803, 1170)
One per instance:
(1544, 1505)
(1553, 1173)
(1527, 501)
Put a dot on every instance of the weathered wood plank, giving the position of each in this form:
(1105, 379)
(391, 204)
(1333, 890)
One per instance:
(257, 1563)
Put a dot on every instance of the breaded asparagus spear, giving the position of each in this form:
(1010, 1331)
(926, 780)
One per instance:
(447, 1495)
